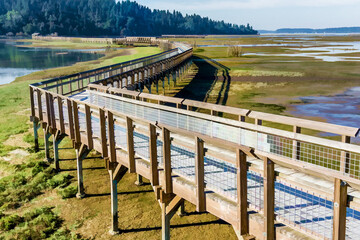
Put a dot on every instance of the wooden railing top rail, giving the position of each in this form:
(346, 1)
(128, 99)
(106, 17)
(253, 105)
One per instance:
(123, 64)
(292, 121)
(253, 127)
(315, 170)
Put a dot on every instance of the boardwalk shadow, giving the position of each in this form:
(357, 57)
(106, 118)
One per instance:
(204, 81)
(174, 226)
(120, 193)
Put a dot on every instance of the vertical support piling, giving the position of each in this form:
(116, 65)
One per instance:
(79, 165)
(165, 223)
(114, 205)
(47, 145)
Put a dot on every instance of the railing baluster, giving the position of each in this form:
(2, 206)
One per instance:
(269, 199)
(111, 130)
(241, 177)
(71, 120)
(340, 204)
(153, 155)
(296, 145)
(130, 144)
(104, 146)
(89, 133)
(168, 188)
(39, 104)
(52, 111)
(61, 114)
(32, 102)
(48, 111)
(345, 157)
(76, 122)
(200, 175)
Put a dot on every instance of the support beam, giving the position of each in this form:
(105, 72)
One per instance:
(119, 172)
(340, 205)
(81, 154)
(269, 199)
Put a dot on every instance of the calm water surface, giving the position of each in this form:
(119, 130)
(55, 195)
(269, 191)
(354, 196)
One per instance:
(342, 109)
(16, 61)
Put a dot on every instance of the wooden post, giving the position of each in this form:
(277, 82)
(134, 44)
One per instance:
(200, 175)
(168, 188)
(340, 205)
(76, 123)
(269, 199)
(89, 134)
(130, 144)
(345, 157)
(39, 105)
(241, 166)
(61, 115)
(71, 121)
(104, 147)
(111, 131)
(32, 102)
(48, 110)
(153, 155)
(296, 145)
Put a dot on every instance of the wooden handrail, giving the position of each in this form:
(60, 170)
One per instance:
(292, 121)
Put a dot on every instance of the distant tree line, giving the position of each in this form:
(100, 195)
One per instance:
(104, 17)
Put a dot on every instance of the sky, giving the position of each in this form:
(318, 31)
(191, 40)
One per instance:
(270, 14)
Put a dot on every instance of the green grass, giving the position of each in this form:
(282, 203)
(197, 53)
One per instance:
(64, 44)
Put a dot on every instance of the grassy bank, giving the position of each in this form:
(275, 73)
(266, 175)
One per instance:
(64, 44)
(37, 203)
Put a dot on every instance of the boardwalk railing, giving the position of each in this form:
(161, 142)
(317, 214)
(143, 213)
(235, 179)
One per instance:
(221, 165)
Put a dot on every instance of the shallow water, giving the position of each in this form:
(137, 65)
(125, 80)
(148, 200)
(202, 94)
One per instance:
(17, 61)
(341, 109)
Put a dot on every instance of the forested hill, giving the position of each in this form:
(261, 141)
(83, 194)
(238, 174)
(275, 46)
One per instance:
(104, 18)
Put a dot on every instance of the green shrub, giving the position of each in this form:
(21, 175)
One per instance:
(10, 222)
(65, 234)
(68, 192)
(34, 213)
(60, 180)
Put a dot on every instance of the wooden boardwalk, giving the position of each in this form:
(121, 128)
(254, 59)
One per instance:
(223, 166)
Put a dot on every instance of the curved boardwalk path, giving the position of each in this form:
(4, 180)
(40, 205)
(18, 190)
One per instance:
(225, 166)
